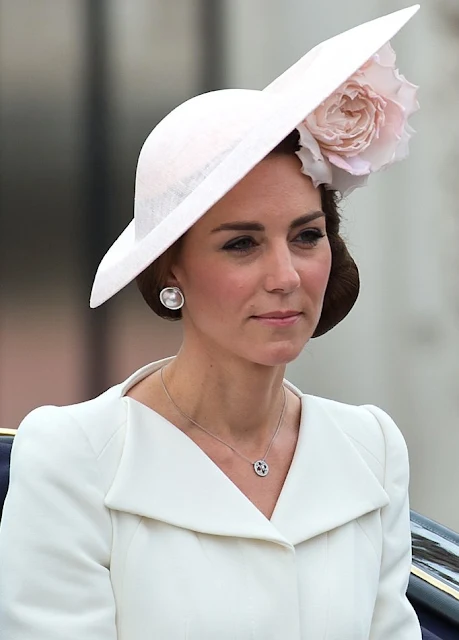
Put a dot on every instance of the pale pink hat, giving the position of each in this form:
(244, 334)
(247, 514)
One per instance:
(205, 146)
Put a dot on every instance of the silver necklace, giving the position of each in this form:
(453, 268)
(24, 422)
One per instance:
(260, 467)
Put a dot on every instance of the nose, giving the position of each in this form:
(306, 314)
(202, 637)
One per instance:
(280, 272)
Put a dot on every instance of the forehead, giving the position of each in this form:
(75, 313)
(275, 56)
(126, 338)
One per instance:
(275, 187)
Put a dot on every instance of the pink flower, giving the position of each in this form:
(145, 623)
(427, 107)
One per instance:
(362, 127)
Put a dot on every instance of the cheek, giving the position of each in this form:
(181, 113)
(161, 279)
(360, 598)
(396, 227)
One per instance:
(217, 288)
(316, 273)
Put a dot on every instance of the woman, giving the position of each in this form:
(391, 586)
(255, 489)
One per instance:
(206, 496)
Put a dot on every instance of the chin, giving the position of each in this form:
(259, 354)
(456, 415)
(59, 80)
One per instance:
(278, 355)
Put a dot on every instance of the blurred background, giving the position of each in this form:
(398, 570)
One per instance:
(82, 83)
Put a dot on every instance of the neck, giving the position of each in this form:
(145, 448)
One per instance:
(236, 400)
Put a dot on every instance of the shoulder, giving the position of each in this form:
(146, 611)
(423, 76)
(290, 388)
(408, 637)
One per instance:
(371, 431)
(98, 421)
(87, 433)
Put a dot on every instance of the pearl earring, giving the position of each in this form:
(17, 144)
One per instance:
(172, 298)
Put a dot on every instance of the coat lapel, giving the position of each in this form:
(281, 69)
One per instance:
(165, 476)
(329, 483)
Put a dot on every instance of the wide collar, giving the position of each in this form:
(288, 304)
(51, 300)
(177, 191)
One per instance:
(165, 476)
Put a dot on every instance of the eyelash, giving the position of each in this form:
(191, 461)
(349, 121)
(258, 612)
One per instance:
(314, 235)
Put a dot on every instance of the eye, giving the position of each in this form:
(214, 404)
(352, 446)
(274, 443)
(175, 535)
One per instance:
(310, 237)
(240, 245)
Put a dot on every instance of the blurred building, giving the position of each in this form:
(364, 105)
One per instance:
(82, 82)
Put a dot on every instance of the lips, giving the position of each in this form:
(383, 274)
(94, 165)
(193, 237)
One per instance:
(279, 314)
(279, 318)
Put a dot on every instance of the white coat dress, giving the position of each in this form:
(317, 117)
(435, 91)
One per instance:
(118, 527)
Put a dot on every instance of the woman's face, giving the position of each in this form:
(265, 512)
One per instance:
(254, 269)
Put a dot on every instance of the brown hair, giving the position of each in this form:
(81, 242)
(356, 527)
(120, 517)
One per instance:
(343, 283)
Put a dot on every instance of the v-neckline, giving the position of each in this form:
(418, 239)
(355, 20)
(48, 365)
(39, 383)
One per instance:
(149, 411)
(163, 475)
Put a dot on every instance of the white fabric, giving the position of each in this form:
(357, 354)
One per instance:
(118, 527)
(205, 146)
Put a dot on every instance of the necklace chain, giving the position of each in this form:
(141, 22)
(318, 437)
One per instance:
(260, 467)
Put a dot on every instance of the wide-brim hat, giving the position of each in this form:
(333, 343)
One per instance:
(206, 145)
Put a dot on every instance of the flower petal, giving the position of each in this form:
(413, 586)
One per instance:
(362, 127)
(313, 162)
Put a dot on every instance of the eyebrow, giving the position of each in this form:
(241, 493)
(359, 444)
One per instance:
(257, 226)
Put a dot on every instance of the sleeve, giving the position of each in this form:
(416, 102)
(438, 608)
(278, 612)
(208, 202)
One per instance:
(393, 616)
(55, 536)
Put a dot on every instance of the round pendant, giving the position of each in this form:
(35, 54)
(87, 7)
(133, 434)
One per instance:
(261, 468)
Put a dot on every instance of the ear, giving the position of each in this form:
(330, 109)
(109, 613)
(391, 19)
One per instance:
(173, 278)
(170, 268)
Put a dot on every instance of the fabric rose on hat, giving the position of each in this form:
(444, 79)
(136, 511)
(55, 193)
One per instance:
(361, 128)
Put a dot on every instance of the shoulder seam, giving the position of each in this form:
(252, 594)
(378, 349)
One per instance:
(107, 444)
(384, 466)
(351, 437)
(77, 423)
(88, 442)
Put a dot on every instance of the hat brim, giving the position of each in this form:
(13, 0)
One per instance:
(296, 93)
